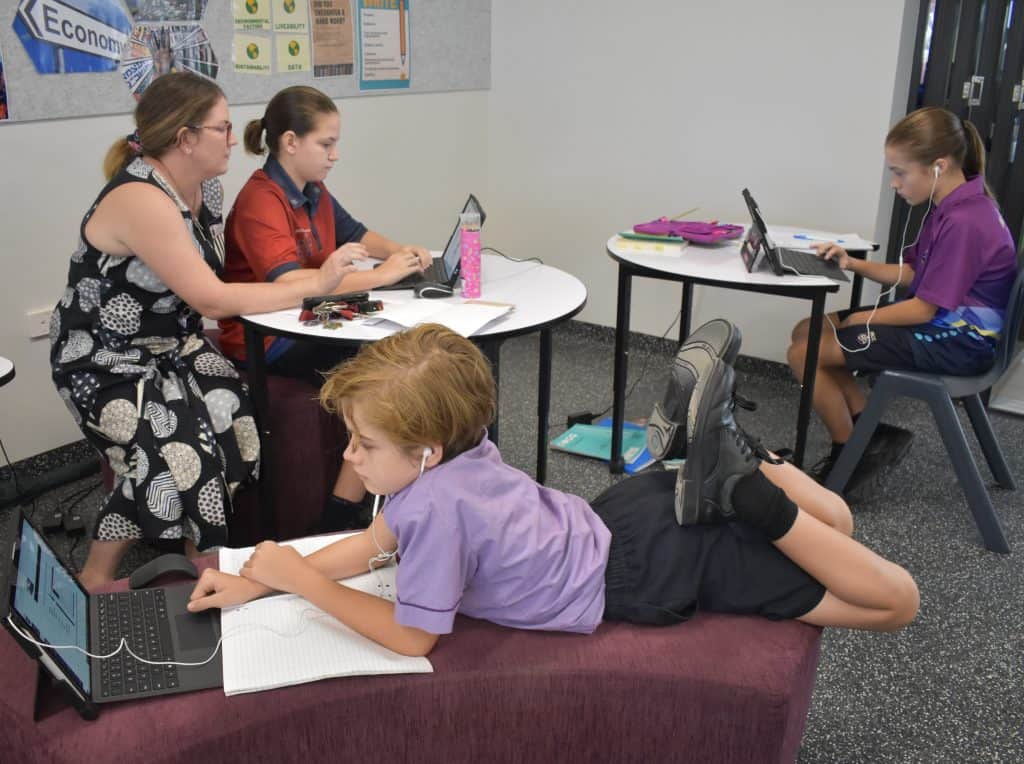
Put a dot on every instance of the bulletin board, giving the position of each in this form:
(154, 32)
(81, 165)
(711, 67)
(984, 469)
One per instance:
(445, 46)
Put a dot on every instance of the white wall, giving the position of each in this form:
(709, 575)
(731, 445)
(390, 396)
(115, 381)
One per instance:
(407, 163)
(598, 117)
(616, 113)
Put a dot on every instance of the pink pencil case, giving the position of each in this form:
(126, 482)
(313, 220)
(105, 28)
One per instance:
(692, 230)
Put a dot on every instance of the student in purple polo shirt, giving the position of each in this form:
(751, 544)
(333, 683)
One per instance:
(478, 537)
(958, 273)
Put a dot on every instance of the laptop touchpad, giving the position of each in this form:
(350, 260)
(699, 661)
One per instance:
(196, 630)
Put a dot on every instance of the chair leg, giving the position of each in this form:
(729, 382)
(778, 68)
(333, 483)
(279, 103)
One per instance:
(989, 444)
(967, 472)
(859, 439)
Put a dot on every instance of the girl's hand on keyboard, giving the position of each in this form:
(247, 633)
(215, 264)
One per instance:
(832, 251)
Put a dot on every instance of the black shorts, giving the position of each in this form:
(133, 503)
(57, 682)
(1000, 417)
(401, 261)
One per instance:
(921, 347)
(661, 573)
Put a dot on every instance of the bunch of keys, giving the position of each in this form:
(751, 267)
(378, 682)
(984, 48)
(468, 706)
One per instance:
(329, 314)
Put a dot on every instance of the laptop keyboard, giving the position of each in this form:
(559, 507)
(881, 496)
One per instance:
(809, 264)
(141, 618)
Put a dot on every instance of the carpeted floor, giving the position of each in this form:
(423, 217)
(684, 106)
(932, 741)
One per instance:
(948, 688)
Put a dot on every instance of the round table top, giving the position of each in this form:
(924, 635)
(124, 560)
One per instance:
(542, 295)
(6, 370)
(720, 263)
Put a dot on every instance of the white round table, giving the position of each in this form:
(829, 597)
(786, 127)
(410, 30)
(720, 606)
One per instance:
(543, 296)
(6, 370)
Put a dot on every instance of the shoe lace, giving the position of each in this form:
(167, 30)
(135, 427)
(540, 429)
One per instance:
(753, 445)
(738, 401)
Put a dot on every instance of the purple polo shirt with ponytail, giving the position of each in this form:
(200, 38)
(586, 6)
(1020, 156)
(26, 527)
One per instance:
(964, 261)
(478, 537)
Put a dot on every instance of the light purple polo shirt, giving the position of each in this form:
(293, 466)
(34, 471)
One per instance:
(964, 261)
(481, 538)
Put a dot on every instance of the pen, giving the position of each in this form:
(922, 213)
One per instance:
(805, 237)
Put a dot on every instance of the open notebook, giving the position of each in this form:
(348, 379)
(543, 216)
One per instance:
(283, 640)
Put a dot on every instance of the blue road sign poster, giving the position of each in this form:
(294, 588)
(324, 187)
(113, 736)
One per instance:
(62, 36)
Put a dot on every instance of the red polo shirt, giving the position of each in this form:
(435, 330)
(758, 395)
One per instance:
(275, 228)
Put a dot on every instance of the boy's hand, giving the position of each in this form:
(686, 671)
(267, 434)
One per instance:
(832, 251)
(217, 589)
(276, 566)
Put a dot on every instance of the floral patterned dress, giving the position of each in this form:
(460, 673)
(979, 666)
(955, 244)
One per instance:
(149, 390)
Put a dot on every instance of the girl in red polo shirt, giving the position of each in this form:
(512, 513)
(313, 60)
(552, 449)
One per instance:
(285, 225)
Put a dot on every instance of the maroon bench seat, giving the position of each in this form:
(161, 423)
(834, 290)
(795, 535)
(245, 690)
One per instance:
(717, 688)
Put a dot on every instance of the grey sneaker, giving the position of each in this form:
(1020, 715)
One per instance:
(719, 453)
(667, 431)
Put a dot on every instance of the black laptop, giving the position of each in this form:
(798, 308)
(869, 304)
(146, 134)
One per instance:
(758, 246)
(444, 269)
(45, 603)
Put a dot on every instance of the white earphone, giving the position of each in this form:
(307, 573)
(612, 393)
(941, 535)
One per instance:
(427, 451)
(935, 169)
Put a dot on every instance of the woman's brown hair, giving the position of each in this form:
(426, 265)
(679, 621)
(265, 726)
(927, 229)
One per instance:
(295, 109)
(424, 385)
(171, 102)
(932, 133)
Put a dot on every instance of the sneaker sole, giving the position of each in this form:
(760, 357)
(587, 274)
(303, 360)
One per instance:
(718, 338)
(688, 491)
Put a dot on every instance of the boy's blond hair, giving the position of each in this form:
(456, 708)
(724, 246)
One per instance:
(424, 385)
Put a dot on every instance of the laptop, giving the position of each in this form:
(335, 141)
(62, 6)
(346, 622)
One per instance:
(46, 603)
(444, 269)
(758, 247)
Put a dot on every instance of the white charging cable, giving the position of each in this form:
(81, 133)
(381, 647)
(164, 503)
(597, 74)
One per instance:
(317, 615)
(899, 276)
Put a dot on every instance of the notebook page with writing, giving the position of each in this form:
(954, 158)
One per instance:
(284, 640)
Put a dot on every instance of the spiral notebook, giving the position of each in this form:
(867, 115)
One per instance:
(284, 640)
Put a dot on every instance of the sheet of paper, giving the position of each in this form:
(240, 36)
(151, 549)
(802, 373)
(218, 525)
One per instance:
(284, 640)
(809, 238)
(466, 318)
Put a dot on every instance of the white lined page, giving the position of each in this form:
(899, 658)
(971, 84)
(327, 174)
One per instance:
(284, 640)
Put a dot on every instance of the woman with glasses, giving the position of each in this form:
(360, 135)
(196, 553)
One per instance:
(128, 352)
(284, 226)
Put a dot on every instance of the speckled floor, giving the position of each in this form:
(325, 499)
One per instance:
(948, 688)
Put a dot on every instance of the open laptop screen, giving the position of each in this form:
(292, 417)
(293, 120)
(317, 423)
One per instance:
(47, 598)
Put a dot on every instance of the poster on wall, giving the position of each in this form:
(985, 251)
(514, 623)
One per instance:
(251, 15)
(252, 53)
(166, 10)
(65, 36)
(384, 54)
(156, 50)
(4, 113)
(291, 16)
(292, 53)
(333, 45)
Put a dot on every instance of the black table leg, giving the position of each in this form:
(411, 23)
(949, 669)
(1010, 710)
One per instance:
(810, 370)
(858, 284)
(685, 311)
(543, 404)
(492, 351)
(257, 379)
(617, 465)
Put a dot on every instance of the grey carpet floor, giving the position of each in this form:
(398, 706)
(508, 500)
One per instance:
(948, 688)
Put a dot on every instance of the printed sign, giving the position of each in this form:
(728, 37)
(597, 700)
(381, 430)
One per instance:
(72, 35)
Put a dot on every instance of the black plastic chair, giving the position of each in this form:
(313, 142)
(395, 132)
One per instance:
(940, 392)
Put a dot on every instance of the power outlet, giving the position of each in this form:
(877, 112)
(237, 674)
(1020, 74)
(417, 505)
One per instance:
(37, 322)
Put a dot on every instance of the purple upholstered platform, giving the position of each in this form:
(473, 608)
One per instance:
(718, 688)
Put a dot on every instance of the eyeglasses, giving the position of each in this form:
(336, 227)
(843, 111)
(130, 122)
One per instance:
(226, 129)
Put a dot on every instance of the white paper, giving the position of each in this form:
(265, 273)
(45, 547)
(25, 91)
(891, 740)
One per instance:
(465, 318)
(809, 238)
(284, 640)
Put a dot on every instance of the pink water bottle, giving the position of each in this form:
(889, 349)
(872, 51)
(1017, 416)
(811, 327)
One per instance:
(469, 225)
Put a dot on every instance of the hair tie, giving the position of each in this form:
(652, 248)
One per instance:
(133, 142)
